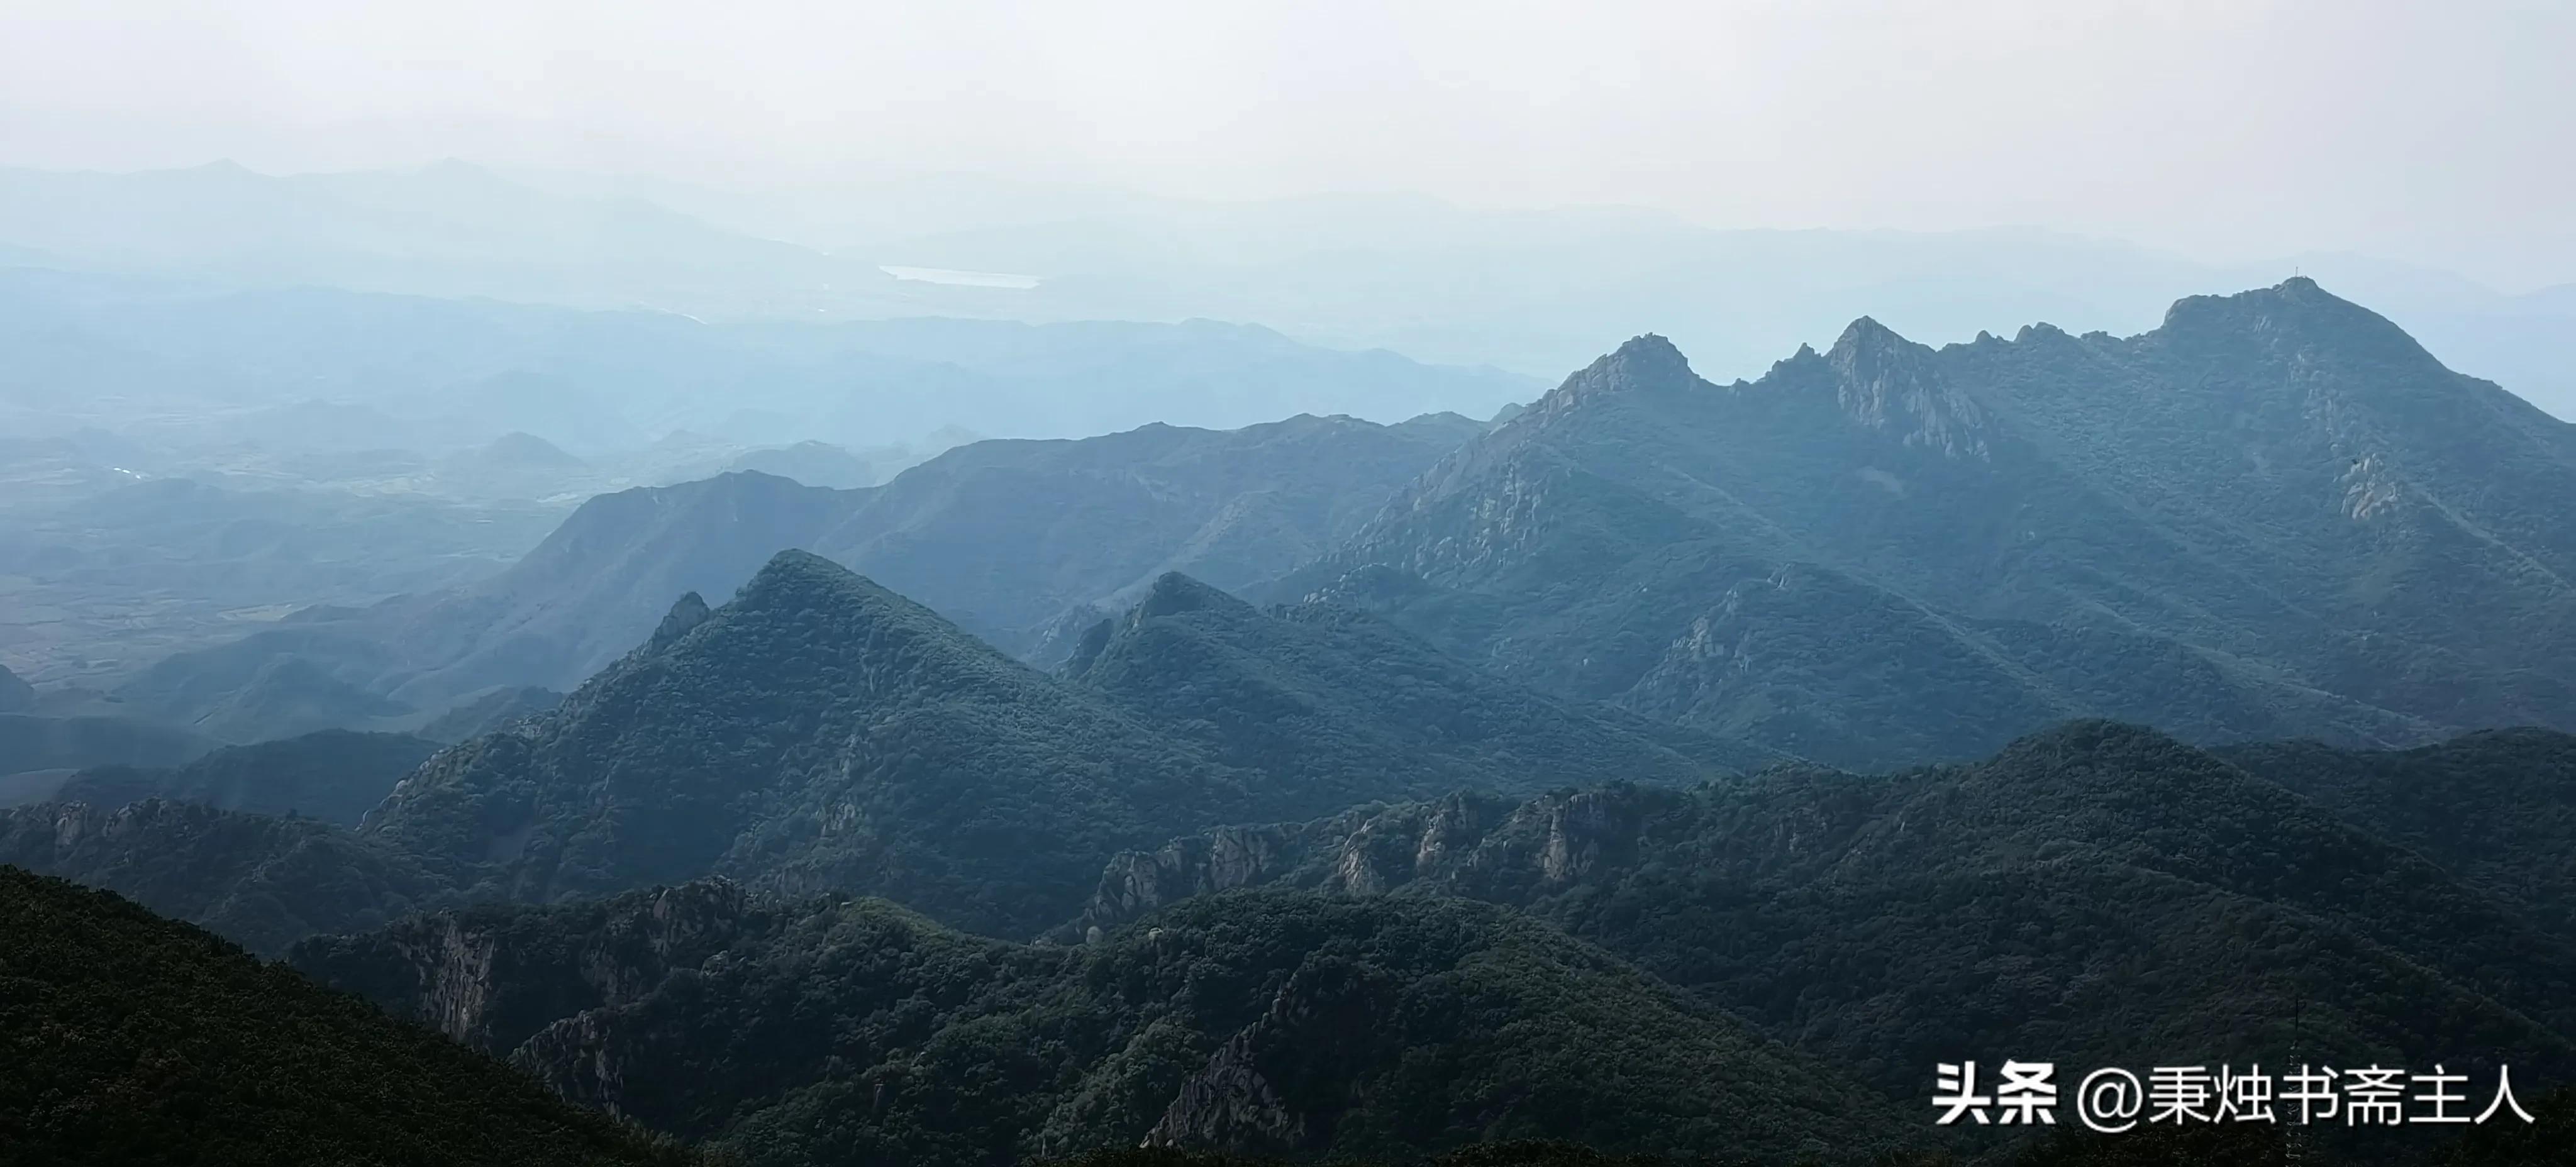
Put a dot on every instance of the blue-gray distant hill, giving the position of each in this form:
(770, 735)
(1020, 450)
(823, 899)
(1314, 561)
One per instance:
(304, 369)
(1024, 543)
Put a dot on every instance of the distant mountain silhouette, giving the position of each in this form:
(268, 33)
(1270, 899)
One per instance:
(1009, 538)
(812, 464)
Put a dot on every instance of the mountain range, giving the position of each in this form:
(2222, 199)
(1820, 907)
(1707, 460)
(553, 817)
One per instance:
(2274, 516)
(1024, 543)
(1685, 768)
(1533, 291)
(298, 369)
(2093, 892)
(820, 732)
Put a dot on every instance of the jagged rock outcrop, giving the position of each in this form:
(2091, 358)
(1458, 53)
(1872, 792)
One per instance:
(1137, 882)
(1887, 382)
(492, 979)
(1465, 843)
(1278, 1087)
(690, 611)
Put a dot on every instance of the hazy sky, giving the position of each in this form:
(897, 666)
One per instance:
(2440, 132)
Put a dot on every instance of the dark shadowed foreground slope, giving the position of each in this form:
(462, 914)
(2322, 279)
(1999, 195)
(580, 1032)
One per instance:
(2096, 894)
(126, 1038)
(2497, 808)
(853, 1031)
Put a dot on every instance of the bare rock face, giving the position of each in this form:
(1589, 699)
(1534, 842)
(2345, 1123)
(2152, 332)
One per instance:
(491, 981)
(457, 999)
(585, 1059)
(690, 611)
(1892, 384)
(1137, 882)
(1471, 844)
(1279, 1085)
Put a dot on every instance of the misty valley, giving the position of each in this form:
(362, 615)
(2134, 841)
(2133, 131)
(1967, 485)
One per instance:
(1257, 585)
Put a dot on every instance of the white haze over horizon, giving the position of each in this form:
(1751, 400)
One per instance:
(2226, 130)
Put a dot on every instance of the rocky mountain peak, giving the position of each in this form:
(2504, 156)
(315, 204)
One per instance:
(795, 580)
(1173, 593)
(1645, 362)
(1866, 337)
(2292, 317)
(1887, 382)
(688, 613)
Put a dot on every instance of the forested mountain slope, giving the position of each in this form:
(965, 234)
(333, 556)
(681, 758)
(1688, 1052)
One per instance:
(2098, 892)
(820, 732)
(1311, 692)
(1280, 1024)
(2496, 808)
(132, 1039)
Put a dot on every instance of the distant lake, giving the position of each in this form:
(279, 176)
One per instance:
(972, 279)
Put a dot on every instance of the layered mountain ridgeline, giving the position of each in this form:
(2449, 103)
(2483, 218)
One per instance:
(46, 736)
(36, 741)
(132, 1039)
(263, 882)
(440, 374)
(822, 733)
(294, 679)
(1266, 1023)
(119, 558)
(493, 709)
(1012, 539)
(1337, 697)
(2274, 516)
(335, 775)
(2096, 894)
